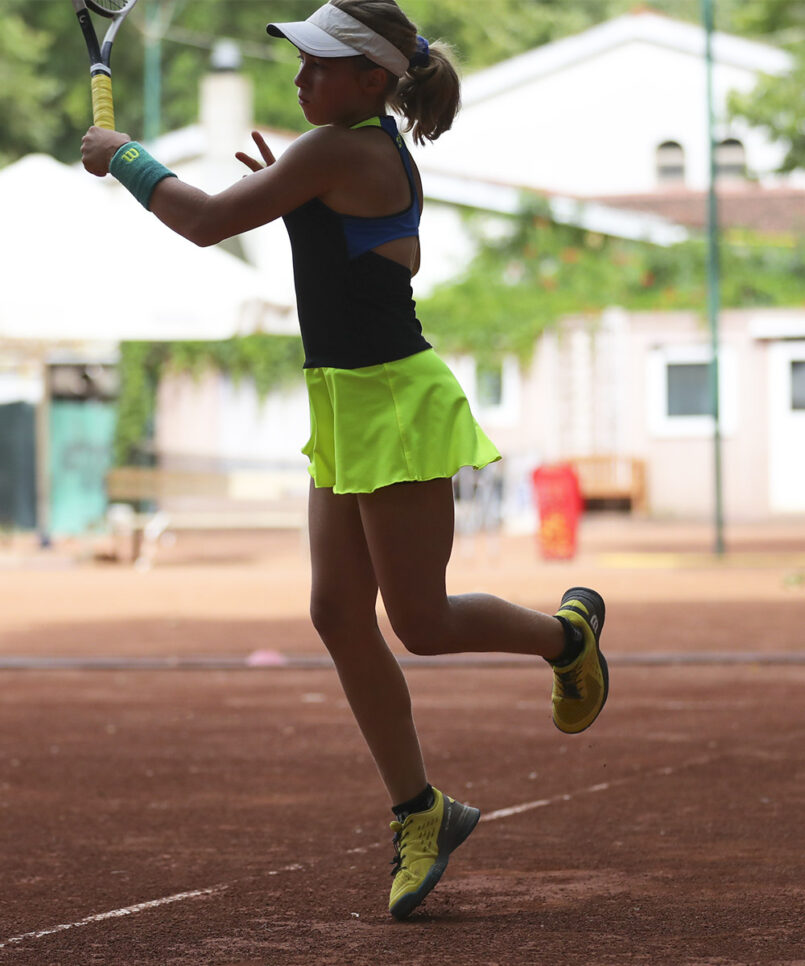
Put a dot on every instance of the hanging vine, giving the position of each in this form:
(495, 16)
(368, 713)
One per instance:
(543, 271)
(269, 361)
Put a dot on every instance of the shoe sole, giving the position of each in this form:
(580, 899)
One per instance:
(463, 828)
(581, 592)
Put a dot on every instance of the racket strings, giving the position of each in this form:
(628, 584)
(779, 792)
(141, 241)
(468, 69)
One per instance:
(109, 8)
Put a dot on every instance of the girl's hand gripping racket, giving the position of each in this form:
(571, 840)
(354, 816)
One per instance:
(103, 112)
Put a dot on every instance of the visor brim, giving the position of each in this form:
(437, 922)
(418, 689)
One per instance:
(311, 39)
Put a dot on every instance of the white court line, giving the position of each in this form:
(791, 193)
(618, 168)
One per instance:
(600, 787)
(487, 817)
(115, 914)
(295, 867)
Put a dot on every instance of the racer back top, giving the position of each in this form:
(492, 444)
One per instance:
(355, 306)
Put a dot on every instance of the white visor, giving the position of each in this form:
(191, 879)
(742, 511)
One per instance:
(330, 32)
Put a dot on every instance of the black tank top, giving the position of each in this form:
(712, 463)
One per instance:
(355, 307)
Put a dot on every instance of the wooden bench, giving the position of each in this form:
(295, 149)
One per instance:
(146, 501)
(607, 477)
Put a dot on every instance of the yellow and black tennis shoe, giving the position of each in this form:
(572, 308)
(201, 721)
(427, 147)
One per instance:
(423, 843)
(580, 688)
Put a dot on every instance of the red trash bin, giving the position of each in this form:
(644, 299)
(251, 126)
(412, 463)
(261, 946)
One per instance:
(559, 501)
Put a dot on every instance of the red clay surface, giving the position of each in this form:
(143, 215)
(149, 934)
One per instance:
(670, 833)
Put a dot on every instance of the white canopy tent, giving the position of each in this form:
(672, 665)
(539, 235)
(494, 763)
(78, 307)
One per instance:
(83, 267)
(81, 262)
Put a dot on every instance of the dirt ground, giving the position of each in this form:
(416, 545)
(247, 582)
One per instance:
(181, 781)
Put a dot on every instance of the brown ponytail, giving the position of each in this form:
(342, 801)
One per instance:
(427, 96)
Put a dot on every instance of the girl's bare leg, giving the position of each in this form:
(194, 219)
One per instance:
(409, 533)
(343, 598)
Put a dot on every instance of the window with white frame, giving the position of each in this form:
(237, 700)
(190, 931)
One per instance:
(680, 400)
(497, 391)
(670, 163)
(489, 383)
(797, 385)
(730, 159)
(688, 389)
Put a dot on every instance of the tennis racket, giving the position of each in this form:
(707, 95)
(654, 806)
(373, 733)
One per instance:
(103, 111)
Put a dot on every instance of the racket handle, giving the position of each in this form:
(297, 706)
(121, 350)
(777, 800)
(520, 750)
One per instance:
(103, 111)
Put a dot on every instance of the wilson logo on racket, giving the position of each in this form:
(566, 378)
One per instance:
(131, 155)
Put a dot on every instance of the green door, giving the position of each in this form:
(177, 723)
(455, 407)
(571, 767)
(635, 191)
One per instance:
(17, 466)
(81, 435)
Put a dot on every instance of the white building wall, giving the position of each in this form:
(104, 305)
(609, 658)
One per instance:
(588, 126)
(212, 422)
(680, 464)
(618, 414)
(544, 415)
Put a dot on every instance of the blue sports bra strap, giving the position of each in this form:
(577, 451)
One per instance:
(389, 125)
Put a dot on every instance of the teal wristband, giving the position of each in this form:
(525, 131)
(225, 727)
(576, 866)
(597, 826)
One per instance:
(138, 172)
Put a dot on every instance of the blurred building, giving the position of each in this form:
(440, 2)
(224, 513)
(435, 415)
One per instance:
(610, 127)
(617, 115)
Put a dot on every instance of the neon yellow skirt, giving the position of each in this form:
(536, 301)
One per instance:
(392, 423)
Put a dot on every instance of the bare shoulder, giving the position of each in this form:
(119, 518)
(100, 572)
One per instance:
(309, 144)
(328, 155)
(331, 142)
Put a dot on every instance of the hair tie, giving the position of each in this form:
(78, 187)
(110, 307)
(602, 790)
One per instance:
(422, 56)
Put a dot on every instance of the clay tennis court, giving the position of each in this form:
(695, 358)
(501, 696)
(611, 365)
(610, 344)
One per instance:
(181, 781)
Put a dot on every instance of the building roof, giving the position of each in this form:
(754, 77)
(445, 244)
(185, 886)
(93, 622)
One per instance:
(644, 26)
(778, 210)
(597, 215)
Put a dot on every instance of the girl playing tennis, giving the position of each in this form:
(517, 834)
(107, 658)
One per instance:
(389, 423)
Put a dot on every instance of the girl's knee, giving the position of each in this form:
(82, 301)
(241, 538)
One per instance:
(422, 632)
(336, 620)
(329, 617)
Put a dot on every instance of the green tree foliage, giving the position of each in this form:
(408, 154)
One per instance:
(780, 22)
(139, 367)
(26, 86)
(58, 97)
(777, 104)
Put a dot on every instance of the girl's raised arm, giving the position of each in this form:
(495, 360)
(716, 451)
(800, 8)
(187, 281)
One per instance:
(308, 168)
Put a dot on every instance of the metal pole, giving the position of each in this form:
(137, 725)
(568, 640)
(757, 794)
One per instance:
(152, 80)
(43, 487)
(713, 276)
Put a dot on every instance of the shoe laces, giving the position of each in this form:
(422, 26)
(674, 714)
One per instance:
(399, 829)
(570, 682)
